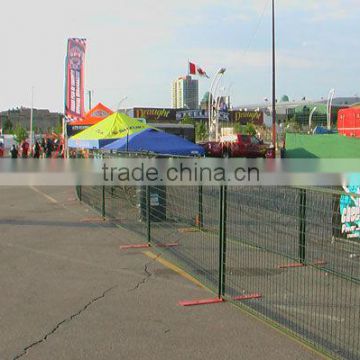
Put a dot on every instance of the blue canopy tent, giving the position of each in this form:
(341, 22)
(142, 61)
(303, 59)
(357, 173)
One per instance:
(158, 142)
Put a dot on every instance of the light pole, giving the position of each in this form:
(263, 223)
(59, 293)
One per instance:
(311, 116)
(329, 106)
(120, 102)
(31, 118)
(90, 93)
(273, 77)
(217, 110)
(213, 123)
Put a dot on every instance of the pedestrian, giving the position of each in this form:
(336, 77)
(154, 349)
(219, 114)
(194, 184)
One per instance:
(25, 149)
(43, 144)
(36, 150)
(61, 152)
(48, 148)
(14, 152)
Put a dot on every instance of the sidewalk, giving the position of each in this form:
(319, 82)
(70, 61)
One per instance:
(69, 292)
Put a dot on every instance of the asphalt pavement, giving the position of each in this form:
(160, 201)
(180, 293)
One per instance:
(69, 292)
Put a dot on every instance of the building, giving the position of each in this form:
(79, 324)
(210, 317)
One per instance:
(186, 131)
(152, 115)
(185, 93)
(299, 111)
(43, 120)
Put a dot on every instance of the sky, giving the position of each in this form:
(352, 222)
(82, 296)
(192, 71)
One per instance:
(136, 48)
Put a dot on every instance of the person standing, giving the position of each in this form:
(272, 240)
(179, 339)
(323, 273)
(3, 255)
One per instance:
(14, 152)
(25, 149)
(36, 150)
(43, 144)
(48, 148)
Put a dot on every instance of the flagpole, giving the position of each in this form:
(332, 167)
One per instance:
(31, 118)
(273, 77)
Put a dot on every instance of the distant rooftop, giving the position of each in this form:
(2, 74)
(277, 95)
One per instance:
(281, 106)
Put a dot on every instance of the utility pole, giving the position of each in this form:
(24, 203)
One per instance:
(273, 77)
(90, 93)
(31, 119)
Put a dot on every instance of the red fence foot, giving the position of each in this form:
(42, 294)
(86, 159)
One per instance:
(167, 245)
(145, 246)
(293, 265)
(298, 265)
(201, 302)
(248, 297)
(137, 246)
(94, 219)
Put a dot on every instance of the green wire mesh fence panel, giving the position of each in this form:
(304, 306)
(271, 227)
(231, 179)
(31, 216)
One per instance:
(125, 206)
(299, 248)
(191, 222)
(271, 234)
(92, 195)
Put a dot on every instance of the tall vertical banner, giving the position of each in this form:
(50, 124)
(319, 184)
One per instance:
(75, 78)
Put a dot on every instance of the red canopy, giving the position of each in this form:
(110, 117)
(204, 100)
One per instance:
(96, 114)
(349, 121)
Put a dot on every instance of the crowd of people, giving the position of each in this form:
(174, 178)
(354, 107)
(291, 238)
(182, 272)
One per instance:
(45, 148)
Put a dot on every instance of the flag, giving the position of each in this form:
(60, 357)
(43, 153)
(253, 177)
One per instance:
(202, 72)
(196, 70)
(192, 68)
(75, 77)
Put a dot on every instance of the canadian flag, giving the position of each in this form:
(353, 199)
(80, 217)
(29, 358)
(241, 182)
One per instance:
(196, 70)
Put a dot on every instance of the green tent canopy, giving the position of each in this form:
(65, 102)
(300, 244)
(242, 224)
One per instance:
(115, 126)
(328, 146)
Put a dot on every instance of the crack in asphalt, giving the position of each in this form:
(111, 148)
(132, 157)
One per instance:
(92, 301)
(148, 275)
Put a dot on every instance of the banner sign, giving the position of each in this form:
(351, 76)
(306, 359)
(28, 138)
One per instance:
(350, 213)
(155, 114)
(244, 117)
(74, 78)
(200, 115)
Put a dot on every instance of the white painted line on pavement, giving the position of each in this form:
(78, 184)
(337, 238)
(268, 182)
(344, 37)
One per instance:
(51, 199)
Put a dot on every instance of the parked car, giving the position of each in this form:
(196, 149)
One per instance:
(248, 146)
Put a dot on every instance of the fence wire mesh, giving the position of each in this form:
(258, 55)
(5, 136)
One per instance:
(285, 243)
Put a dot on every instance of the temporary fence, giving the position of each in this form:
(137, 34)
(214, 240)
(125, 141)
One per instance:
(283, 246)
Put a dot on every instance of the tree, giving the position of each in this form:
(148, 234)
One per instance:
(238, 128)
(187, 120)
(250, 129)
(8, 127)
(20, 134)
(292, 125)
(201, 131)
(58, 129)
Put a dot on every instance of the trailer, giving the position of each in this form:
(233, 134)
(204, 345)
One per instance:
(349, 122)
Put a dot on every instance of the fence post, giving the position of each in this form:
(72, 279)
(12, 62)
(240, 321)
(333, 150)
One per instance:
(148, 216)
(79, 192)
(222, 240)
(221, 223)
(200, 210)
(103, 212)
(302, 226)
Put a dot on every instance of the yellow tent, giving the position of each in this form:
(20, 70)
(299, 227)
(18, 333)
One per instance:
(115, 126)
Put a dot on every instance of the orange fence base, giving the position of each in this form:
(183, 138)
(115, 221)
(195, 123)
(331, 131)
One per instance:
(300, 265)
(201, 302)
(145, 246)
(218, 300)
